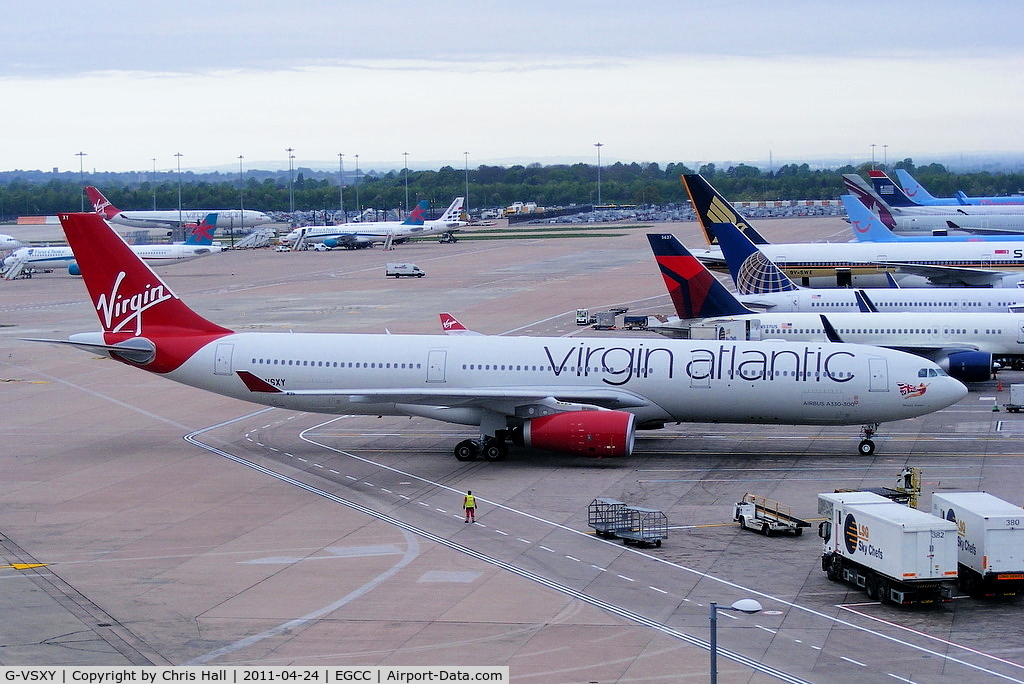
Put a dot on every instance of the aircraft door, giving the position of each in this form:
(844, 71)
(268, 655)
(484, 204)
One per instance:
(436, 359)
(879, 371)
(754, 331)
(1020, 331)
(222, 360)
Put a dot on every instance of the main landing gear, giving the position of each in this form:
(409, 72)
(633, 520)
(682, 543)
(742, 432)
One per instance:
(867, 446)
(489, 448)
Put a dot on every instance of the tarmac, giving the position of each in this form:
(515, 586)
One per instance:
(143, 522)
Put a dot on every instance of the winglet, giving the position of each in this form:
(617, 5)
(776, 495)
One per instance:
(830, 331)
(864, 302)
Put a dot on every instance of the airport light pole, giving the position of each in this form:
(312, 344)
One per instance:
(749, 606)
(598, 146)
(341, 185)
(873, 156)
(81, 178)
(291, 192)
(241, 199)
(180, 230)
(355, 182)
(406, 155)
(885, 157)
(465, 206)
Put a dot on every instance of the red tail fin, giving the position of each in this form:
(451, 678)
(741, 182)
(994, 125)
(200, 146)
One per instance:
(130, 299)
(100, 204)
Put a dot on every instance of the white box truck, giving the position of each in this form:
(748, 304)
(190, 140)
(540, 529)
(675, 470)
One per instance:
(895, 553)
(990, 541)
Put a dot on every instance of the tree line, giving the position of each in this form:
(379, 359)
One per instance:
(39, 193)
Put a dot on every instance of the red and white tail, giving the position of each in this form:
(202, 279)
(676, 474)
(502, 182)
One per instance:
(452, 326)
(131, 300)
(100, 204)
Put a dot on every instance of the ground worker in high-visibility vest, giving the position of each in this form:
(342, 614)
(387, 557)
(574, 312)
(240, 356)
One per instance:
(469, 503)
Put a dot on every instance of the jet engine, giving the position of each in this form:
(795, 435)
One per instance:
(588, 433)
(967, 366)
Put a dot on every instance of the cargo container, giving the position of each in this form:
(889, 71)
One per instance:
(895, 553)
(990, 541)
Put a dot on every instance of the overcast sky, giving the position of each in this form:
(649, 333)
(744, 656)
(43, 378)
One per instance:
(718, 80)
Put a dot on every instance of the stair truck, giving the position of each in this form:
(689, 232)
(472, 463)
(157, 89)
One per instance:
(895, 553)
(990, 541)
(768, 517)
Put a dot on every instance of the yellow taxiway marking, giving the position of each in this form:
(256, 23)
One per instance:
(24, 566)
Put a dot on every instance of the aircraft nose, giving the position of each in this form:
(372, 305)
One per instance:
(951, 391)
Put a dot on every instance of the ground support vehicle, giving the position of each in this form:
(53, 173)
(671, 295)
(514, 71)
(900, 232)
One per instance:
(990, 541)
(604, 320)
(634, 322)
(1016, 404)
(906, 491)
(403, 269)
(611, 519)
(768, 517)
(583, 317)
(895, 553)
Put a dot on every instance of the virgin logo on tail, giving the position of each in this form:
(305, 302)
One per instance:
(119, 310)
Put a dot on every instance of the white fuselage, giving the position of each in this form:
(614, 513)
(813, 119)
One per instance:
(227, 219)
(995, 333)
(373, 231)
(154, 255)
(463, 379)
(825, 300)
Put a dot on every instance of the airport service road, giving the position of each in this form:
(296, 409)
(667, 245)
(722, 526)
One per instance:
(533, 518)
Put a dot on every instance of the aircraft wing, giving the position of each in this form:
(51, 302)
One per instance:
(984, 231)
(951, 276)
(501, 399)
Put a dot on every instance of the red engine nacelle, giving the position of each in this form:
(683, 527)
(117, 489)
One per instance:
(589, 433)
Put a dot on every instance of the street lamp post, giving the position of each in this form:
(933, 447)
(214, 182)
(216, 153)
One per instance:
(598, 146)
(341, 185)
(873, 146)
(355, 182)
(743, 606)
(180, 232)
(81, 178)
(465, 204)
(406, 155)
(241, 199)
(291, 192)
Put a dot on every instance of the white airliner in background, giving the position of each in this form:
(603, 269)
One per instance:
(363, 234)
(762, 285)
(581, 396)
(964, 344)
(200, 243)
(228, 219)
(8, 242)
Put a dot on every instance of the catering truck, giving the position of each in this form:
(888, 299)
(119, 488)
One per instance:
(990, 541)
(895, 553)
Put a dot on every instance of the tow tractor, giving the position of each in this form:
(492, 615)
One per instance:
(766, 516)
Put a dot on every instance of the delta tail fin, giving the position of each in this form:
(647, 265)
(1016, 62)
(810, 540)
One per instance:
(867, 227)
(752, 271)
(416, 216)
(711, 207)
(694, 291)
(202, 232)
(137, 310)
(100, 204)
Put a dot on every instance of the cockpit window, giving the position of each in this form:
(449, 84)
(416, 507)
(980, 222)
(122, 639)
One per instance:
(931, 373)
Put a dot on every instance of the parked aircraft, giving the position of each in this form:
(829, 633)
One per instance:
(763, 286)
(354, 235)
(451, 326)
(8, 242)
(913, 192)
(962, 344)
(868, 227)
(581, 396)
(228, 218)
(975, 219)
(199, 243)
(862, 264)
